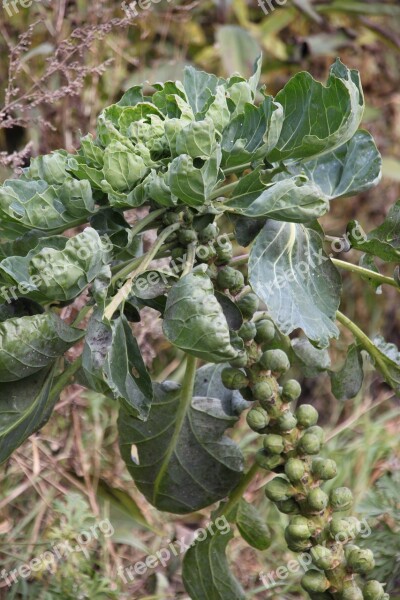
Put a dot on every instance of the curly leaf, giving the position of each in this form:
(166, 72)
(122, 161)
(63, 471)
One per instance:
(206, 573)
(31, 343)
(184, 460)
(301, 287)
(318, 118)
(113, 362)
(194, 320)
(25, 406)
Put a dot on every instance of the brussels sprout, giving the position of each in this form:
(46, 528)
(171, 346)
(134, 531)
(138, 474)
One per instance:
(315, 581)
(324, 468)
(351, 591)
(341, 499)
(224, 254)
(248, 305)
(234, 379)
(265, 331)
(262, 391)
(322, 558)
(361, 561)
(169, 218)
(247, 331)
(278, 489)
(230, 279)
(274, 444)
(342, 530)
(287, 421)
(288, 507)
(373, 590)
(240, 361)
(309, 444)
(306, 415)
(291, 390)
(297, 545)
(275, 360)
(295, 469)
(209, 233)
(177, 253)
(318, 432)
(268, 461)
(317, 500)
(187, 236)
(257, 418)
(298, 529)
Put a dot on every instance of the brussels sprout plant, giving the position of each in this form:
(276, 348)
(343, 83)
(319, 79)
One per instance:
(217, 164)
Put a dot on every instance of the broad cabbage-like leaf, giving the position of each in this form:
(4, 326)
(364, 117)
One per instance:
(384, 241)
(28, 344)
(290, 272)
(184, 461)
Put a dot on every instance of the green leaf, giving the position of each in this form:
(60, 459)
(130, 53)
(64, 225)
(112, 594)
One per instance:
(193, 184)
(206, 573)
(252, 527)
(232, 313)
(50, 168)
(122, 168)
(347, 382)
(200, 87)
(35, 204)
(384, 241)
(295, 199)
(312, 361)
(194, 320)
(112, 361)
(252, 134)
(28, 344)
(25, 406)
(153, 283)
(290, 272)
(183, 465)
(386, 357)
(318, 118)
(197, 139)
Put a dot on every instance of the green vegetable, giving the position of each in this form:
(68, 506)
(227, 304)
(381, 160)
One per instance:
(298, 528)
(274, 444)
(275, 361)
(322, 557)
(262, 391)
(373, 590)
(248, 305)
(287, 421)
(230, 279)
(341, 499)
(265, 331)
(234, 379)
(291, 390)
(278, 490)
(247, 331)
(317, 500)
(324, 468)
(257, 419)
(309, 444)
(361, 560)
(314, 581)
(306, 416)
(295, 470)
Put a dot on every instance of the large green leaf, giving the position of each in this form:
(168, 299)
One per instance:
(194, 320)
(58, 268)
(25, 406)
(291, 273)
(206, 573)
(200, 87)
(184, 464)
(193, 184)
(113, 362)
(318, 118)
(384, 241)
(347, 382)
(252, 527)
(28, 344)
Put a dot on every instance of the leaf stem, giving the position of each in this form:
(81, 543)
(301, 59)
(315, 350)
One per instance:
(346, 266)
(124, 291)
(152, 216)
(239, 490)
(224, 189)
(237, 169)
(191, 255)
(64, 378)
(184, 403)
(365, 342)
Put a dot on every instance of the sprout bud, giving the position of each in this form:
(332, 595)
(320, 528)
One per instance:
(230, 279)
(240, 361)
(274, 444)
(262, 391)
(323, 558)
(268, 461)
(248, 305)
(287, 421)
(341, 499)
(275, 361)
(295, 469)
(351, 591)
(314, 581)
(288, 507)
(317, 500)
(291, 390)
(298, 529)
(373, 590)
(361, 561)
(187, 236)
(306, 415)
(208, 234)
(278, 490)
(324, 468)
(257, 418)
(234, 379)
(343, 530)
(318, 431)
(247, 331)
(265, 331)
(309, 444)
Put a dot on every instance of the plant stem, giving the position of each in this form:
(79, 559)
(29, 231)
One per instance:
(82, 314)
(224, 189)
(365, 342)
(239, 490)
(237, 169)
(123, 293)
(64, 378)
(191, 255)
(184, 404)
(346, 266)
(152, 216)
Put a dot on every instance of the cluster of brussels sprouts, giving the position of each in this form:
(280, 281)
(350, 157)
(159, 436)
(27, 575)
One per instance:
(292, 441)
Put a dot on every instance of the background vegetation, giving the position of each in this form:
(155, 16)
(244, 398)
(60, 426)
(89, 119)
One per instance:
(65, 61)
